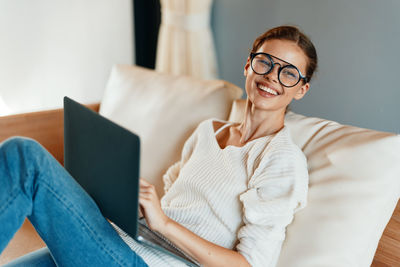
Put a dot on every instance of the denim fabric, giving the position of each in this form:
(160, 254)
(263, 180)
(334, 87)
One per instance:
(34, 185)
(39, 258)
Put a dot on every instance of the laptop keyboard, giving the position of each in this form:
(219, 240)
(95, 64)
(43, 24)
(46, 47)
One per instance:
(153, 237)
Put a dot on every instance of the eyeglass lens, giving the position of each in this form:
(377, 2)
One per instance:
(263, 64)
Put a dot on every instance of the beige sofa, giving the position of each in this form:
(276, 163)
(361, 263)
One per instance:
(354, 178)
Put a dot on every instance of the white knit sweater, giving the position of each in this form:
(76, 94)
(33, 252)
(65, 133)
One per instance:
(240, 198)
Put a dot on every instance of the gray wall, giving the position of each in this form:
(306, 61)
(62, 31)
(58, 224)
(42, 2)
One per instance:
(358, 44)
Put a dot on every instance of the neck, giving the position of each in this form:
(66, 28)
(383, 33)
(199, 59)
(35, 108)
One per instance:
(258, 123)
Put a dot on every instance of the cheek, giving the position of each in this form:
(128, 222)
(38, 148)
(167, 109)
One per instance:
(291, 92)
(248, 84)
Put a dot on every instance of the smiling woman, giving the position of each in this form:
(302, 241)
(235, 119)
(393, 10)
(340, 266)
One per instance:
(274, 71)
(294, 54)
(244, 181)
(294, 35)
(288, 74)
(269, 195)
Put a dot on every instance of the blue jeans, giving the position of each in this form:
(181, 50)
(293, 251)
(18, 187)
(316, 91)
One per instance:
(34, 185)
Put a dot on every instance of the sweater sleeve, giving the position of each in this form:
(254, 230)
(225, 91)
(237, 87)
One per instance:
(170, 176)
(173, 172)
(275, 192)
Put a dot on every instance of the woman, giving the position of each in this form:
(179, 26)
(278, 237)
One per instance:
(227, 202)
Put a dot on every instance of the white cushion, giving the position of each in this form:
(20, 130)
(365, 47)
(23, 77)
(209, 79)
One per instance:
(354, 188)
(163, 110)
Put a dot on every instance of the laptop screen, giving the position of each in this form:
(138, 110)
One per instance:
(103, 157)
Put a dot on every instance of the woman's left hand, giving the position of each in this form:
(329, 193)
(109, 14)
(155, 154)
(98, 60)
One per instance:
(150, 203)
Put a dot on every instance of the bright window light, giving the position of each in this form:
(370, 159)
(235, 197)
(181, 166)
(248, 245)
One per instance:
(4, 109)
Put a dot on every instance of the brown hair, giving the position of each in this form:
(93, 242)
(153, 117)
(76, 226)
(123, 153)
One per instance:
(291, 33)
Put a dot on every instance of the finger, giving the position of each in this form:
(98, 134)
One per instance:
(150, 189)
(144, 202)
(144, 182)
(145, 195)
(147, 190)
(142, 186)
(148, 196)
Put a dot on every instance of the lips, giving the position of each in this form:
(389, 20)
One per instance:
(266, 90)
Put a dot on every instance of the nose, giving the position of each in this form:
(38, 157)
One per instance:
(273, 74)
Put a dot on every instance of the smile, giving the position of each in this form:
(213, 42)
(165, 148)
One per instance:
(267, 89)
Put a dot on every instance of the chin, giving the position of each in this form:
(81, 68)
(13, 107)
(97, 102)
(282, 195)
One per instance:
(268, 106)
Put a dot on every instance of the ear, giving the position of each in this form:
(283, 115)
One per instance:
(247, 66)
(302, 91)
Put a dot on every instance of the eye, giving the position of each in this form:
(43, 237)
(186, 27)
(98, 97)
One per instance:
(290, 72)
(264, 61)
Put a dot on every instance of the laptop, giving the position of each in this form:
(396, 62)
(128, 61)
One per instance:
(104, 158)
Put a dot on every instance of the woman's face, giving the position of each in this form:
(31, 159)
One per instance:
(258, 85)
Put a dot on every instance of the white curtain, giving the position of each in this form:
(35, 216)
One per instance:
(185, 42)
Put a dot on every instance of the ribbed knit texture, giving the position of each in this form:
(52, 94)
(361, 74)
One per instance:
(238, 197)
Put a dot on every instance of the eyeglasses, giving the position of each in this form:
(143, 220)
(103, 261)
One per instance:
(288, 75)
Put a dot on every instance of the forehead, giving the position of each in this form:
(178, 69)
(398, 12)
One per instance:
(287, 50)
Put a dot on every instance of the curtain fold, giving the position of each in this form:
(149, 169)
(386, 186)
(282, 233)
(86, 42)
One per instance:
(185, 43)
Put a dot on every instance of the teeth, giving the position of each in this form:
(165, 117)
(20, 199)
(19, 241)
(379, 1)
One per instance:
(266, 89)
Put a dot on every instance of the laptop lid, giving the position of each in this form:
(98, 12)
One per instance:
(103, 157)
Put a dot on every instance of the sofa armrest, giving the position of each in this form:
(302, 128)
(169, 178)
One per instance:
(46, 127)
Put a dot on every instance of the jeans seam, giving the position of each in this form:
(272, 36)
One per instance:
(9, 200)
(85, 225)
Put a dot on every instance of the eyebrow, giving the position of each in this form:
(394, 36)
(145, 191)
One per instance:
(280, 59)
(288, 63)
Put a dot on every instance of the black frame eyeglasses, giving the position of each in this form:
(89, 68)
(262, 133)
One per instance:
(288, 75)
